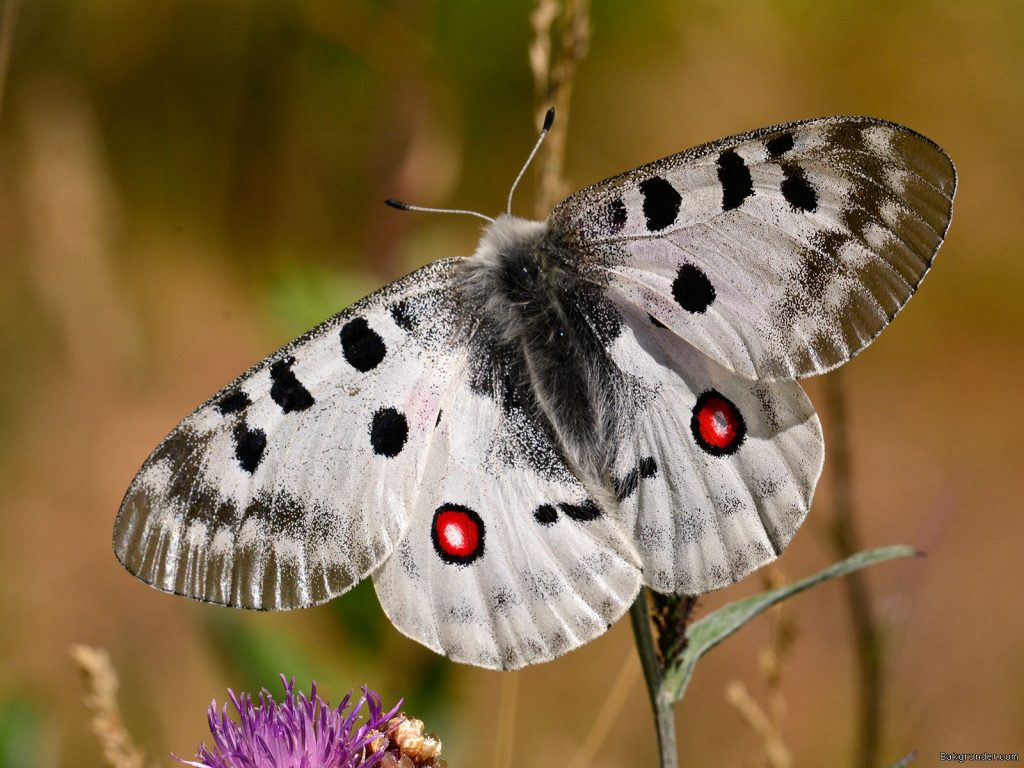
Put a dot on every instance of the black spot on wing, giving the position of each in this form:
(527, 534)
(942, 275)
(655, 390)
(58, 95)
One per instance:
(389, 430)
(250, 444)
(583, 512)
(648, 468)
(645, 470)
(734, 176)
(403, 316)
(655, 321)
(232, 402)
(616, 215)
(287, 391)
(797, 189)
(661, 203)
(362, 346)
(545, 514)
(779, 145)
(692, 289)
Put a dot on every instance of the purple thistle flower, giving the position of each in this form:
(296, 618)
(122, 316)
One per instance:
(300, 732)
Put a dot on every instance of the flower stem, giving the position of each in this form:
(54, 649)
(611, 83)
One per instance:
(664, 708)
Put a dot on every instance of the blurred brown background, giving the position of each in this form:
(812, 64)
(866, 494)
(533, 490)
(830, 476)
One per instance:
(186, 185)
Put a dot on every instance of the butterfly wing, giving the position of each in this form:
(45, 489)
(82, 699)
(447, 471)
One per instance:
(718, 471)
(293, 483)
(405, 438)
(779, 253)
(506, 561)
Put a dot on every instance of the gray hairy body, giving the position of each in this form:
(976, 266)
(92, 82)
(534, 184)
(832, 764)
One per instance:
(548, 325)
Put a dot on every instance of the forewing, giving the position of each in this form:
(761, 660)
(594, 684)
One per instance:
(717, 471)
(780, 253)
(506, 561)
(293, 482)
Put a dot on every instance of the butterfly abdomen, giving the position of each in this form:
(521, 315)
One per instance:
(545, 314)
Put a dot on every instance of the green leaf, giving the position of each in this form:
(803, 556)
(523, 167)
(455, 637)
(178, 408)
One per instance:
(705, 634)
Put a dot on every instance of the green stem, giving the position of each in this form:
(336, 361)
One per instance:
(661, 704)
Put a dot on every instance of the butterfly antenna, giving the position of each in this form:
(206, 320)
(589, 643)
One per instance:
(549, 118)
(406, 207)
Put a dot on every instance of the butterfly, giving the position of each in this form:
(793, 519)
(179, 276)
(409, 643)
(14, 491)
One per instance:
(511, 444)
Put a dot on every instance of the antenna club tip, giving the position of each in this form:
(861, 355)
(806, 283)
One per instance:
(549, 118)
(396, 204)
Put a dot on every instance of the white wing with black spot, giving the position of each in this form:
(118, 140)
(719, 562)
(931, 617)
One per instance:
(297, 479)
(717, 471)
(513, 443)
(780, 253)
(506, 560)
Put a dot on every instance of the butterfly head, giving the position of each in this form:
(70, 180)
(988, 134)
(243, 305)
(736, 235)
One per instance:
(512, 268)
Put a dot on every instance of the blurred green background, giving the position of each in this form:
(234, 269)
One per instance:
(186, 185)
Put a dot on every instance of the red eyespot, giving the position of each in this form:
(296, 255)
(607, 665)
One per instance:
(458, 534)
(717, 425)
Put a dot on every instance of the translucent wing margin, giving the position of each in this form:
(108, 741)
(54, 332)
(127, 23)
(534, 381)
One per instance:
(780, 253)
(293, 482)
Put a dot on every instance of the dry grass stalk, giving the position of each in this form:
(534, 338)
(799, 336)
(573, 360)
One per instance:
(608, 714)
(776, 753)
(845, 539)
(72, 218)
(541, 20)
(7, 22)
(506, 726)
(119, 748)
(555, 52)
(768, 725)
